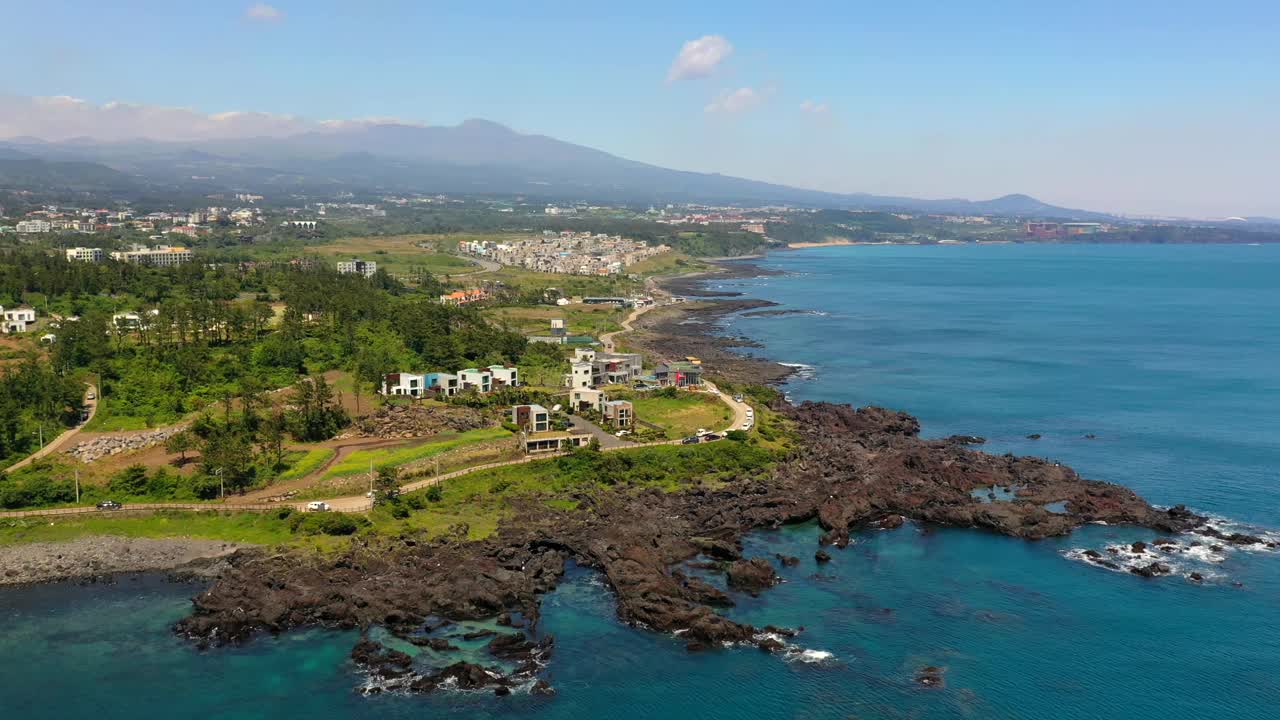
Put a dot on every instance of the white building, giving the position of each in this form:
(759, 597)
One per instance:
(579, 376)
(355, 266)
(82, 254)
(476, 379)
(34, 226)
(17, 320)
(505, 375)
(159, 256)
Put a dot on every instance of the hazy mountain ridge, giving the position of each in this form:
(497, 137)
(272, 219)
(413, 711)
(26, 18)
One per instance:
(476, 156)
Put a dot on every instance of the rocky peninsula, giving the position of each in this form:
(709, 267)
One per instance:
(850, 469)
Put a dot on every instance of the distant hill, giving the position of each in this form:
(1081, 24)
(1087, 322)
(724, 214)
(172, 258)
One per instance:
(476, 156)
(17, 170)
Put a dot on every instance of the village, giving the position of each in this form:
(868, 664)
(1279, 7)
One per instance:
(566, 253)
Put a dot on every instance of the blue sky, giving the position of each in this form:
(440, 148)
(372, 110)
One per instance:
(1143, 107)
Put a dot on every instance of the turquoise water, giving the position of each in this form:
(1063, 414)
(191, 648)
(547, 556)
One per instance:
(1166, 355)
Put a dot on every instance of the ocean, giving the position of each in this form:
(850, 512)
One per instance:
(1151, 366)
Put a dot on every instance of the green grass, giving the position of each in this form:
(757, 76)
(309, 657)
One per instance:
(105, 421)
(244, 527)
(685, 414)
(482, 499)
(359, 461)
(307, 463)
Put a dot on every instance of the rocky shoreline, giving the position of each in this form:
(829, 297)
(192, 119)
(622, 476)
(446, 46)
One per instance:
(98, 558)
(853, 468)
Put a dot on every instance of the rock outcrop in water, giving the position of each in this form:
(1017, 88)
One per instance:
(853, 468)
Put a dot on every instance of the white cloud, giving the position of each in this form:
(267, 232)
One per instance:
(262, 12)
(736, 101)
(814, 108)
(62, 118)
(699, 58)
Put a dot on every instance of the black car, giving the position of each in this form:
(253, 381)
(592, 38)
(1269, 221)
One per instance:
(691, 440)
(109, 505)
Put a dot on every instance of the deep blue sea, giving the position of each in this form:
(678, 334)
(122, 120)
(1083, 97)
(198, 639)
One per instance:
(1168, 356)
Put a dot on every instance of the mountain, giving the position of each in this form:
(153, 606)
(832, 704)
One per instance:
(476, 156)
(33, 173)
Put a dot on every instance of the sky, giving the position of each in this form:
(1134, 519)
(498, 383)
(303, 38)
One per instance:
(1129, 106)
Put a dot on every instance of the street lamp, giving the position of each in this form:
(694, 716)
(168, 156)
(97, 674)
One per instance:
(222, 486)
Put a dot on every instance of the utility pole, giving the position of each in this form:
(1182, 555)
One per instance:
(371, 477)
(77, 486)
(437, 458)
(222, 486)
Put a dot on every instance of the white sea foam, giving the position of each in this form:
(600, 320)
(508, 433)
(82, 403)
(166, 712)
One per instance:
(810, 656)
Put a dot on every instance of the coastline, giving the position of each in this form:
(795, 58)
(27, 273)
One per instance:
(102, 556)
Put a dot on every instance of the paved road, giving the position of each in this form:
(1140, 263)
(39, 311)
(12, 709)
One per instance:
(608, 441)
(64, 440)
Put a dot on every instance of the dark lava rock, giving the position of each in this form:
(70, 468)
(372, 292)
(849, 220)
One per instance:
(787, 560)
(542, 687)
(890, 522)
(509, 647)
(435, 643)
(822, 556)
(965, 440)
(752, 575)
(502, 691)
(1155, 569)
(719, 549)
(1033, 436)
(1093, 554)
(465, 676)
(478, 634)
(1090, 436)
(847, 468)
(381, 661)
(1195, 577)
(1138, 547)
(930, 676)
(770, 645)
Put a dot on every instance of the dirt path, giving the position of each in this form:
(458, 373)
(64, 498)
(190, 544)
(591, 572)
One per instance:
(344, 450)
(64, 440)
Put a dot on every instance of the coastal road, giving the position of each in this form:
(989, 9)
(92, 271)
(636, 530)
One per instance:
(64, 440)
(740, 409)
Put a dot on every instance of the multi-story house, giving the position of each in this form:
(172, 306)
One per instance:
(82, 254)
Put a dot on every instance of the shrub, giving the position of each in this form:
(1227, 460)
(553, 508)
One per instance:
(329, 523)
(737, 435)
(434, 493)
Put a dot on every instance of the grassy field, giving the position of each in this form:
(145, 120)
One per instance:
(685, 414)
(592, 320)
(481, 499)
(306, 463)
(359, 461)
(397, 253)
(104, 421)
(245, 527)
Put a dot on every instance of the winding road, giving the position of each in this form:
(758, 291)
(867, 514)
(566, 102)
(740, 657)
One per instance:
(361, 503)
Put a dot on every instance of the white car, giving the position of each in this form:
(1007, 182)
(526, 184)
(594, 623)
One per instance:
(317, 506)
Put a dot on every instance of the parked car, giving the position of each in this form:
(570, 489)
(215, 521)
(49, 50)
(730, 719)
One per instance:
(701, 432)
(737, 398)
(91, 395)
(109, 505)
(710, 437)
(317, 506)
(622, 433)
(691, 440)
